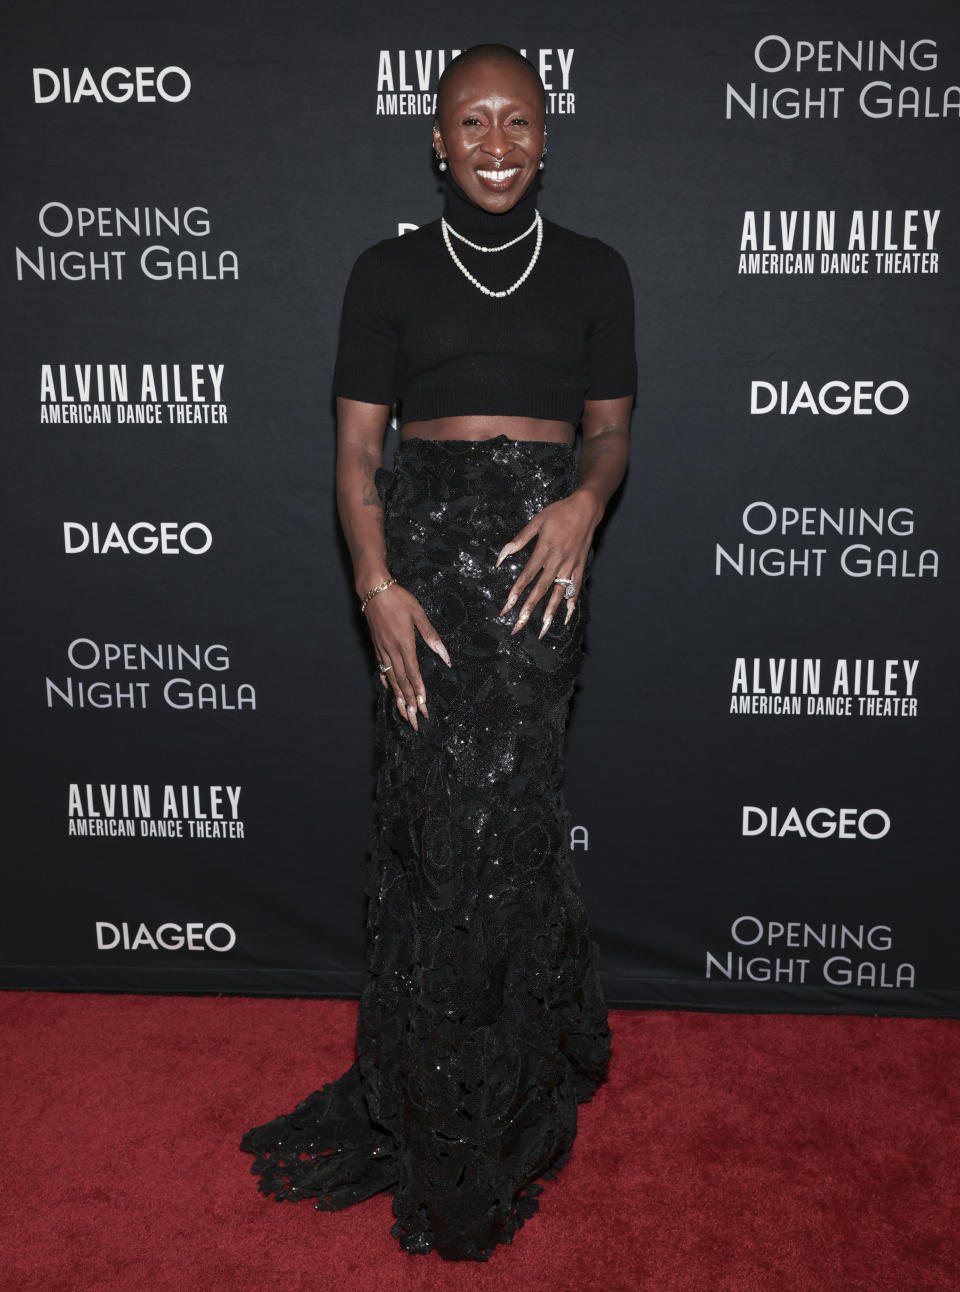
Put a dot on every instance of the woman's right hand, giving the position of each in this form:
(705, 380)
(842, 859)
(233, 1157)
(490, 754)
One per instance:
(394, 617)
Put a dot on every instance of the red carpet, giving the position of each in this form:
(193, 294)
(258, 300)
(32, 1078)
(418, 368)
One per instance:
(727, 1153)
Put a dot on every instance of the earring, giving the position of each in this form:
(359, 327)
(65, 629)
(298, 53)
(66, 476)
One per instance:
(441, 160)
(542, 162)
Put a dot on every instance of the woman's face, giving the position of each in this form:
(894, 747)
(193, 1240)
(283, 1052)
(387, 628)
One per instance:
(492, 111)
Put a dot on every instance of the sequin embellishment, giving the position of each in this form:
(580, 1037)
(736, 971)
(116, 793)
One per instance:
(482, 1023)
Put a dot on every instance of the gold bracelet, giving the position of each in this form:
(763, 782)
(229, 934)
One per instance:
(373, 592)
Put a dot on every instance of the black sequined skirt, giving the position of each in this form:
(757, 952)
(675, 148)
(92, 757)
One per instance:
(482, 1023)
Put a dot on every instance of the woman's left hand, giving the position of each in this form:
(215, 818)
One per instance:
(564, 532)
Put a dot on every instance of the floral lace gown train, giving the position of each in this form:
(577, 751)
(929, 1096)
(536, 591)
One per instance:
(482, 1023)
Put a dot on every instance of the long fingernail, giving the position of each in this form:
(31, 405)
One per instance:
(422, 705)
(401, 706)
(500, 558)
(412, 715)
(511, 601)
(547, 621)
(569, 613)
(519, 624)
(441, 650)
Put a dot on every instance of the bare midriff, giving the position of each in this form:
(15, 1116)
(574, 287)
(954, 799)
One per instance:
(486, 428)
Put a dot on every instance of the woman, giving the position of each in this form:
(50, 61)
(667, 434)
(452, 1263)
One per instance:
(482, 1022)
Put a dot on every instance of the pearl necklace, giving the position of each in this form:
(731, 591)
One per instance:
(503, 246)
(487, 291)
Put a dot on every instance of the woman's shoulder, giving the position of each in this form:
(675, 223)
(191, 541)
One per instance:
(401, 248)
(595, 260)
(582, 243)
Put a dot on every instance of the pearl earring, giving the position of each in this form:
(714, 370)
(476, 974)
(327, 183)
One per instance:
(441, 160)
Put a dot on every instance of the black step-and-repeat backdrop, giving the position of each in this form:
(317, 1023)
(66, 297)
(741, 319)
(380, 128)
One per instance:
(761, 755)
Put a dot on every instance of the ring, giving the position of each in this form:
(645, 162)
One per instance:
(570, 589)
(385, 668)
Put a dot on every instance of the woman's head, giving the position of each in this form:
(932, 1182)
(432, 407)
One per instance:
(490, 124)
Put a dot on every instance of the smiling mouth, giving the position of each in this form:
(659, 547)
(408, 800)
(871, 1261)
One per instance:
(498, 176)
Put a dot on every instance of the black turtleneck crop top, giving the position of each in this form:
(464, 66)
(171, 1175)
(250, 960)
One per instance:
(415, 331)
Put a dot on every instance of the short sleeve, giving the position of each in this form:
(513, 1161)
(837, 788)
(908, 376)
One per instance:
(611, 348)
(368, 350)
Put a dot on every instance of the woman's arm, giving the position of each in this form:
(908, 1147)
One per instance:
(394, 615)
(360, 431)
(605, 447)
(564, 529)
